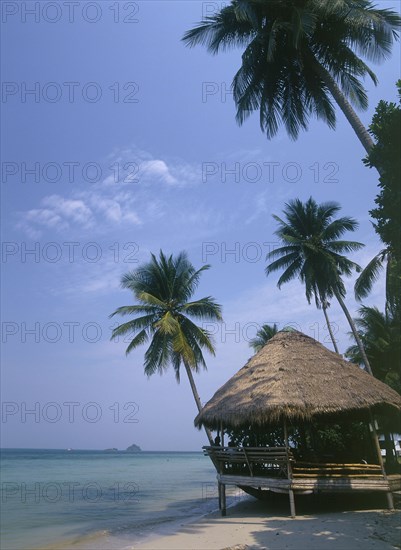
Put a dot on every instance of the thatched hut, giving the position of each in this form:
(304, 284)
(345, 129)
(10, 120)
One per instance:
(294, 380)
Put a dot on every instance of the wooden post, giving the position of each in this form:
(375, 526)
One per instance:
(222, 487)
(289, 472)
(223, 498)
(219, 490)
(390, 501)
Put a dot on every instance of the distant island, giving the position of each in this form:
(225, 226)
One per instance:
(111, 450)
(134, 448)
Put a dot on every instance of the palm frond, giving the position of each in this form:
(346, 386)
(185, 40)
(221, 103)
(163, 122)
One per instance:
(220, 32)
(368, 276)
(141, 338)
(131, 310)
(292, 271)
(205, 308)
(284, 262)
(263, 335)
(283, 43)
(338, 227)
(133, 325)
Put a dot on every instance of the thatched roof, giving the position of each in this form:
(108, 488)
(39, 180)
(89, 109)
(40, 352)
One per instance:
(295, 377)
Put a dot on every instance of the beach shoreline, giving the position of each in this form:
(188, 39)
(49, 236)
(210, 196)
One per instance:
(252, 525)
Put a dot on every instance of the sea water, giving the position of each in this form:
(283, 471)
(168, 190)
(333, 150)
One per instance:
(97, 499)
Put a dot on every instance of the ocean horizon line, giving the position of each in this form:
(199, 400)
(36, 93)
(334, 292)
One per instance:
(68, 449)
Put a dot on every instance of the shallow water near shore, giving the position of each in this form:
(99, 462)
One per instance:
(62, 499)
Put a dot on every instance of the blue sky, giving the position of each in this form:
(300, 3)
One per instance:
(128, 144)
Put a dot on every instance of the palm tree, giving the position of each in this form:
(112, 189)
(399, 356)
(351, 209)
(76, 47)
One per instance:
(313, 252)
(162, 289)
(381, 337)
(263, 335)
(298, 56)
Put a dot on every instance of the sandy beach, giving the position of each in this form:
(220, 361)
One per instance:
(253, 525)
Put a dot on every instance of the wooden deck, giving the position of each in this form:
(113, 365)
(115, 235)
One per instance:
(275, 469)
(315, 484)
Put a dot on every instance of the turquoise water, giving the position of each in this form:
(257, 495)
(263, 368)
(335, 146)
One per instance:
(94, 499)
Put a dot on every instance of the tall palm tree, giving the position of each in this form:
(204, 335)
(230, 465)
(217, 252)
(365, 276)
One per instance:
(298, 56)
(162, 289)
(313, 252)
(263, 335)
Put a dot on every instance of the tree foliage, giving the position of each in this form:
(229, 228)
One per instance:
(162, 289)
(313, 249)
(386, 156)
(298, 55)
(263, 335)
(381, 337)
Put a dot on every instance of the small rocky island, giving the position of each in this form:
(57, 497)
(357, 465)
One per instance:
(111, 450)
(134, 449)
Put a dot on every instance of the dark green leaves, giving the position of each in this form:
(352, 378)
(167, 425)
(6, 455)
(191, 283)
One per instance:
(162, 289)
(290, 46)
(311, 249)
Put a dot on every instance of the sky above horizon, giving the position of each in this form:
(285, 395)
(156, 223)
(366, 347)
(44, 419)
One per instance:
(118, 141)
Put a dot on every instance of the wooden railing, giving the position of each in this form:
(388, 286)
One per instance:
(280, 462)
(335, 470)
(267, 461)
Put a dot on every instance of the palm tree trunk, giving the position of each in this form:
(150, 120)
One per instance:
(329, 327)
(354, 331)
(197, 399)
(389, 446)
(356, 123)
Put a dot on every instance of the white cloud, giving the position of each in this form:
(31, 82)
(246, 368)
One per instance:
(133, 166)
(69, 210)
(85, 210)
(44, 216)
(114, 210)
(124, 196)
(56, 213)
(158, 169)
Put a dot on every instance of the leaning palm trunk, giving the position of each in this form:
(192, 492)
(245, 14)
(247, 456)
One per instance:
(354, 331)
(324, 307)
(197, 398)
(356, 123)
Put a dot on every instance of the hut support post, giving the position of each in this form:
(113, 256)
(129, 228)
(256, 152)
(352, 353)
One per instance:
(223, 500)
(289, 473)
(222, 487)
(390, 501)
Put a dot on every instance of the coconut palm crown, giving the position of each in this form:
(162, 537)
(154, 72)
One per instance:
(298, 56)
(163, 287)
(313, 251)
(263, 335)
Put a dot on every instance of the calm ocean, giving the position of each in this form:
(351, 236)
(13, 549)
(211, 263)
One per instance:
(94, 499)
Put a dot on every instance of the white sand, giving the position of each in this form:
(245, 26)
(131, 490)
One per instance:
(251, 525)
